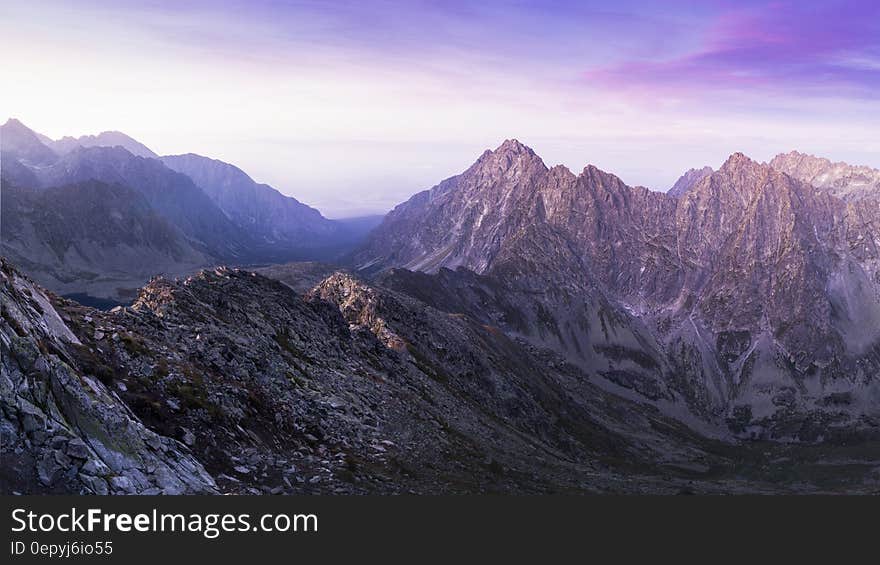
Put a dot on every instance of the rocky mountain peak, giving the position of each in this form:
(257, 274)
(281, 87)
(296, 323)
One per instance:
(686, 181)
(743, 179)
(512, 158)
(514, 146)
(561, 171)
(593, 173)
(13, 124)
(23, 143)
(800, 165)
(795, 155)
(737, 162)
(840, 179)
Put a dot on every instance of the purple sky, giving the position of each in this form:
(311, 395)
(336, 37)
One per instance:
(825, 49)
(354, 106)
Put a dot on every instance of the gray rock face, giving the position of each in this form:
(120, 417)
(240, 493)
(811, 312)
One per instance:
(63, 429)
(752, 282)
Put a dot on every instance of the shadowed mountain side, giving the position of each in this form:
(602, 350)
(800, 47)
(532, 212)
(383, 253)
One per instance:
(92, 238)
(172, 195)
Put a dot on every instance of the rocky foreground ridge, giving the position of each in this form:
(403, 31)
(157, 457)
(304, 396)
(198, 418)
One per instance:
(228, 381)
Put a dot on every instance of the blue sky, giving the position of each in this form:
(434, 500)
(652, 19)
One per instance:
(354, 106)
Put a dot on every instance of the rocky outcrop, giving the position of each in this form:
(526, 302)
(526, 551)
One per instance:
(63, 428)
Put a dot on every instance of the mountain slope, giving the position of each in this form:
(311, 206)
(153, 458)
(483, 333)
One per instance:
(17, 142)
(265, 213)
(64, 430)
(172, 195)
(99, 221)
(92, 238)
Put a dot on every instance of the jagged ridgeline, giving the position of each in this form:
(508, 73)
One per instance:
(516, 328)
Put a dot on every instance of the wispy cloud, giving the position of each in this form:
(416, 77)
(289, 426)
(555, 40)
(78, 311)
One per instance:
(827, 49)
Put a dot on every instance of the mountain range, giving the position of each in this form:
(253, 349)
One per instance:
(750, 296)
(516, 328)
(199, 211)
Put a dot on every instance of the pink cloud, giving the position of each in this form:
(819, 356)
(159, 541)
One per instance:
(798, 48)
